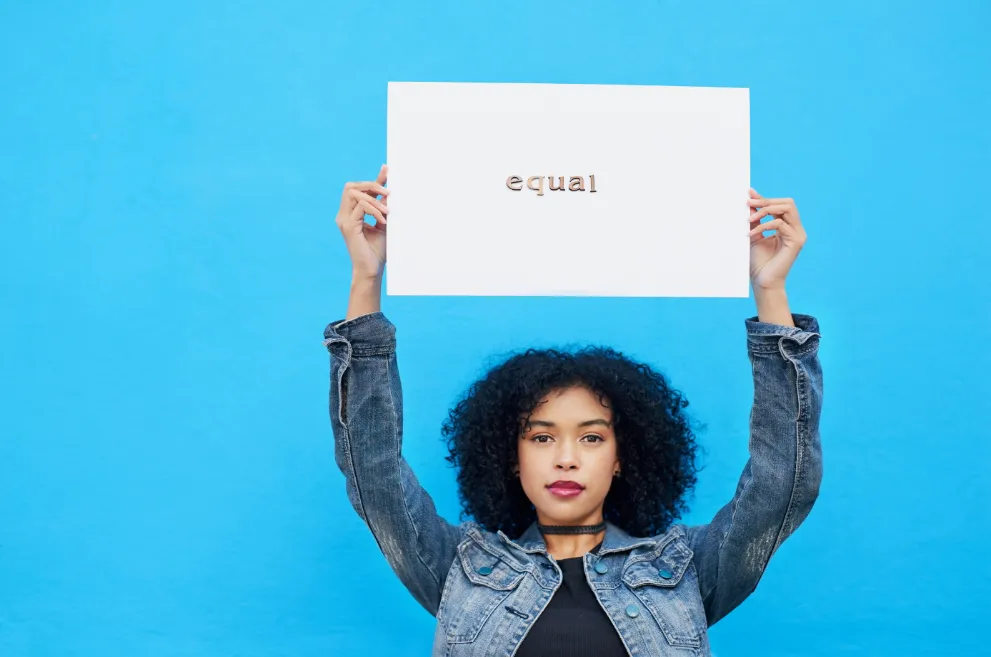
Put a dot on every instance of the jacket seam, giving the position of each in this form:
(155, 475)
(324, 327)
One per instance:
(416, 531)
(356, 321)
(797, 470)
(732, 523)
(801, 392)
(736, 498)
(374, 350)
(799, 418)
(800, 349)
(473, 537)
(347, 442)
(441, 614)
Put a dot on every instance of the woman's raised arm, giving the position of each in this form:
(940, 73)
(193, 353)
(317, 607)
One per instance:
(366, 413)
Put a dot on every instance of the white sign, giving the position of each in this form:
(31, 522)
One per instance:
(568, 190)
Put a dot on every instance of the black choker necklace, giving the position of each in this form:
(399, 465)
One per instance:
(572, 529)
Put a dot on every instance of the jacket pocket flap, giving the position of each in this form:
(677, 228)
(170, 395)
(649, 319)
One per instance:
(664, 566)
(488, 569)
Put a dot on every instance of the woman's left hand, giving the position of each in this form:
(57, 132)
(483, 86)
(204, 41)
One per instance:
(771, 257)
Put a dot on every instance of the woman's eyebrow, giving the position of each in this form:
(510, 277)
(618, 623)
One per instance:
(587, 423)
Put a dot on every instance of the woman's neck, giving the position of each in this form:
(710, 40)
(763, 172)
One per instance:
(568, 546)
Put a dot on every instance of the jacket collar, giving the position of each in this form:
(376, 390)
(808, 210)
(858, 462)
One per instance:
(616, 540)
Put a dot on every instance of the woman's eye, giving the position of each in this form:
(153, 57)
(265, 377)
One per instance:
(592, 438)
(542, 438)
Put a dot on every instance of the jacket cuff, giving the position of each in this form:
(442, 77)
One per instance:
(763, 336)
(365, 335)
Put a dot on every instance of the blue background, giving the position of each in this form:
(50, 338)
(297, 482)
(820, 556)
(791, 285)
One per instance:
(169, 175)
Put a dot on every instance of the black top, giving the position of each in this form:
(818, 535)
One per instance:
(573, 624)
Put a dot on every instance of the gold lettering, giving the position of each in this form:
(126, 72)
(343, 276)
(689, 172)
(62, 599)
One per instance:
(540, 189)
(536, 183)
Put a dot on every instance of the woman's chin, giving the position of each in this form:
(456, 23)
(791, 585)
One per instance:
(566, 517)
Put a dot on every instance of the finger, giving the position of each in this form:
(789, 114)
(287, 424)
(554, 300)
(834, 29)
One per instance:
(375, 228)
(372, 188)
(365, 206)
(781, 229)
(361, 208)
(775, 210)
(760, 201)
(382, 179)
(776, 224)
(753, 195)
(374, 193)
(368, 187)
(361, 196)
(778, 207)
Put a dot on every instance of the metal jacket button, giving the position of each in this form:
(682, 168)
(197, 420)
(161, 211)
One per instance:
(601, 568)
(485, 570)
(633, 611)
(666, 574)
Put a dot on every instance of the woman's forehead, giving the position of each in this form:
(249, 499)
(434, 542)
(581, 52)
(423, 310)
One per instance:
(575, 406)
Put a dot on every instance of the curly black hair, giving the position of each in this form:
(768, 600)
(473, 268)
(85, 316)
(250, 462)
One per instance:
(656, 442)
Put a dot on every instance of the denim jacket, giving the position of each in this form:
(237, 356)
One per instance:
(660, 592)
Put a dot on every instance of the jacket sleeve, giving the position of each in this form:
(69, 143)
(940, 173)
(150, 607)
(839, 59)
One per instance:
(780, 481)
(366, 414)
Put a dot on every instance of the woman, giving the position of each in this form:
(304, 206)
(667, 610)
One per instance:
(573, 467)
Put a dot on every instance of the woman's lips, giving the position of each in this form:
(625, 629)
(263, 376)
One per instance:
(566, 488)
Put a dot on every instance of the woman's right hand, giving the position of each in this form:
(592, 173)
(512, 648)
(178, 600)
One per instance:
(365, 242)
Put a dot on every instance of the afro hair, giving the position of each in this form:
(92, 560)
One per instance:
(655, 439)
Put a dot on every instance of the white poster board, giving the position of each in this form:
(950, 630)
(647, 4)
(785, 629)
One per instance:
(654, 202)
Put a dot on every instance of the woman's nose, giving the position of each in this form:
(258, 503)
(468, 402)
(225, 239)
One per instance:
(567, 458)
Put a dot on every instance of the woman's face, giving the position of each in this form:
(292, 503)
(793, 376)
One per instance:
(568, 457)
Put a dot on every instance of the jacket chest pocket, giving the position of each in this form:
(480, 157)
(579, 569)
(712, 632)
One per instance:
(475, 593)
(665, 584)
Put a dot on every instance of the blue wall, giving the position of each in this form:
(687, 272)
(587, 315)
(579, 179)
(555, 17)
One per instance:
(168, 178)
